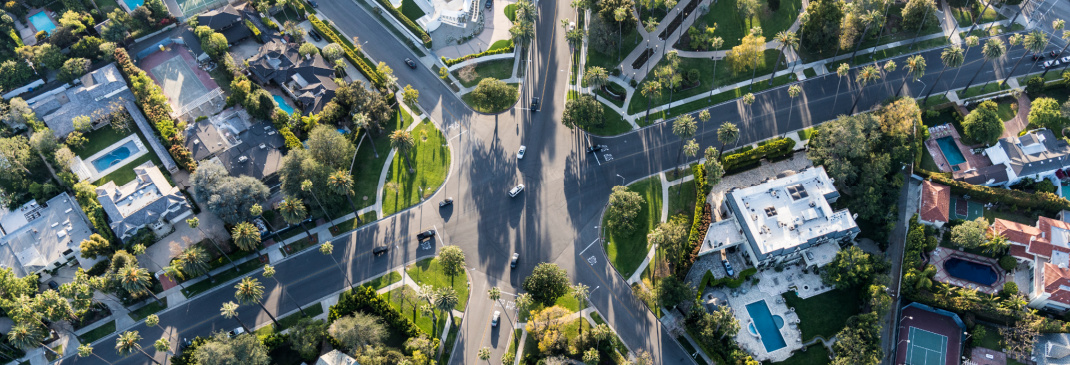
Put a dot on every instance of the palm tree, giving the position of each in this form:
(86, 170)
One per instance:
(672, 75)
(445, 300)
(727, 133)
(484, 353)
(868, 19)
(1016, 302)
(162, 345)
(596, 77)
(970, 42)
(250, 291)
(402, 141)
(306, 186)
(979, 16)
(294, 212)
(841, 71)
(194, 262)
(361, 121)
(866, 75)
(1056, 25)
(684, 127)
(1034, 43)
(126, 343)
(174, 271)
(196, 223)
(994, 49)
(793, 91)
(327, 249)
(650, 88)
(690, 149)
(428, 293)
(888, 68)
(704, 116)
(997, 244)
(788, 40)
(135, 280)
(952, 57)
(715, 44)
(84, 350)
(230, 310)
(619, 14)
(915, 67)
(341, 183)
(246, 236)
(27, 336)
(269, 272)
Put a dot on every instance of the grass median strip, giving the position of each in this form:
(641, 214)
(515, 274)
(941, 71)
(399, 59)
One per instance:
(97, 333)
(429, 272)
(627, 250)
(220, 278)
(417, 174)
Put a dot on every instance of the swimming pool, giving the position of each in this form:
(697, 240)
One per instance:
(766, 325)
(1066, 190)
(282, 104)
(41, 22)
(951, 150)
(115, 156)
(133, 4)
(971, 271)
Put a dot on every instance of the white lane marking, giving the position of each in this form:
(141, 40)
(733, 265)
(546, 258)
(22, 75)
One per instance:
(588, 246)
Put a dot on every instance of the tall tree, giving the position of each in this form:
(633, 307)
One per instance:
(714, 170)
(230, 310)
(650, 89)
(195, 223)
(793, 91)
(1034, 42)
(246, 236)
(452, 260)
(445, 300)
(193, 261)
(952, 57)
(294, 212)
(307, 187)
(727, 134)
(327, 249)
(127, 343)
(993, 49)
(402, 141)
(341, 183)
(135, 280)
(787, 40)
(358, 330)
(250, 291)
(547, 283)
(684, 127)
(865, 76)
(623, 207)
(915, 67)
(84, 350)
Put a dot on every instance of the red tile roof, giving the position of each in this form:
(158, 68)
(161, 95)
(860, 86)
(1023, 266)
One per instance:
(935, 202)
(1019, 251)
(1016, 232)
(1055, 280)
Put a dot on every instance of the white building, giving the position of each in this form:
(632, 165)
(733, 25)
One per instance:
(783, 220)
(39, 237)
(458, 13)
(1036, 155)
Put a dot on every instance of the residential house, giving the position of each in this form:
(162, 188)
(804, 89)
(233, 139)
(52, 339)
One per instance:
(1052, 349)
(95, 94)
(1037, 154)
(336, 357)
(242, 147)
(228, 21)
(783, 220)
(308, 80)
(35, 237)
(1045, 249)
(147, 201)
(935, 204)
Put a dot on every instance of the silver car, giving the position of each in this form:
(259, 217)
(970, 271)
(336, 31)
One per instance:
(516, 190)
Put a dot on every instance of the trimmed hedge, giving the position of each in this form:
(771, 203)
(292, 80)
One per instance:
(366, 300)
(350, 52)
(453, 61)
(773, 149)
(1048, 202)
(256, 31)
(701, 221)
(156, 109)
(409, 23)
(728, 281)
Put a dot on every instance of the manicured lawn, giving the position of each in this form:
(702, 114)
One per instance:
(934, 100)
(428, 271)
(816, 354)
(566, 301)
(98, 140)
(966, 15)
(368, 166)
(627, 251)
(98, 333)
(410, 10)
(1005, 111)
(718, 98)
(468, 99)
(897, 51)
(991, 338)
(497, 69)
(732, 28)
(126, 174)
(351, 224)
(501, 44)
(383, 281)
(981, 89)
(510, 12)
(825, 314)
(610, 61)
(151, 307)
(429, 159)
(724, 76)
(927, 162)
(614, 124)
(286, 322)
(406, 309)
(682, 200)
(451, 338)
(222, 277)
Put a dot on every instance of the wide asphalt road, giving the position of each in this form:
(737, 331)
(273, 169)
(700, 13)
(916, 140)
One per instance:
(554, 220)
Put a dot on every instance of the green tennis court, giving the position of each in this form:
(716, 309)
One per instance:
(926, 348)
(192, 7)
(966, 209)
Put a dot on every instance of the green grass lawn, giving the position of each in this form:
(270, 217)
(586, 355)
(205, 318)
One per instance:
(468, 99)
(368, 166)
(927, 162)
(451, 338)
(429, 159)
(825, 314)
(614, 124)
(897, 51)
(428, 271)
(406, 309)
(98, 140)
(501, 44)
(1005, 111)
(383, 281)
(410, 10)
(814, 355)
(965, 15)
(152, 306)
(627, 251)
(809, 72)
(682, 200)
(610, 61)
(991, 338)
(982, 89)
(732, 28)
(126, 174)
(98, 333)
(724, 76)
(222, 277)
(718, 98)
(510, 12)
(497, 69)
(566, 301)
(351, 224)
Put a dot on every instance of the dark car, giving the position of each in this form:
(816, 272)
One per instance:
(534, 104)
(490, 3)
(379, 250)
(53, 285)
(411, 63)
(445, 202)
(516, 258)
(1053, 54)
(1038, 57)
(186, 343)
(312, 33)
(313, 3)
(425, 235)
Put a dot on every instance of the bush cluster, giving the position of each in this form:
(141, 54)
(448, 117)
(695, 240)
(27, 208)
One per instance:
(1050, 203)
(351, 53)
(366, 300)
(158, 112)
(702, 219)
(773, 149)
(708, 281)
(409, 23)
(453, 61)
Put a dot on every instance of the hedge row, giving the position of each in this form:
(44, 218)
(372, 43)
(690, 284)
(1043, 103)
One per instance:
(773, 149)
(701, 220)
(424, 37)
(733, 282)
(256, 31)
(351, 53)
(366, 300)
(1046, 201)
(156, 109)
(453, 61)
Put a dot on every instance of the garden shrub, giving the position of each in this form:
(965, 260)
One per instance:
(701, 222)
(1009, 288)
(453, 61)
(409, 23)
(735, 282)
(365, 299)
(745, 159)
(1007, 262)
(155, 107)
(1034, 85)
(350, 53)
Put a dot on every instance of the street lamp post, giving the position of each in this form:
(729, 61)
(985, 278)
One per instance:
(621, 179)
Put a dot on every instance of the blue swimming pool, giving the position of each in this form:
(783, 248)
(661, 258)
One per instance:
(1066, 190)
(41, 22)
(971, 271)
(133, 4)
(115, 156)
(767, 325)
(282, 104)
(951, 150)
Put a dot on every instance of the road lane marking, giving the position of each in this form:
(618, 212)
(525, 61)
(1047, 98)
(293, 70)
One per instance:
(588, 246)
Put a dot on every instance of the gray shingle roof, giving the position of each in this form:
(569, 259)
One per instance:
(1053, 349)
(95, 96)
(1036, 152)
(279, 62)
(45, 237)
(145, 200)
(258, 162)
(203, 140)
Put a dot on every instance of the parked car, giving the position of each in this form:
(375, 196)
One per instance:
(53, 285)
(534, 104)
(520, 154)
(490, 3)
(516, 190)
(1037, 57)
(445, 202)
(315, 35)
(313, 3)
(235, 332)
(425, 235)
(411, 63)
(494, 320)
(516, 258)
(186, 343)
(1053, 54)
(728, 268)
(1052, 63)
(379, 250)
(1065, 59)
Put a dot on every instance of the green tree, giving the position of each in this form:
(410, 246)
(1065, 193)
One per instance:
(850, 267)
(127, 343)
(194, 262)
(294, 212)
(220, 349)
(307, 335)
(821, 23)
(993, 49)
(72, 69)
(714, 170)
(249, 291)
(410, 95)
(915, 67)
(493, 95)
(341, 183)
(308, 49)
(596, 77)
(547, 283)
(727, 133)
(445, 300)
(333, 52)
(452, 260)
(952, 57)
(327, 249)
(230, 310)
(95, 245)
(402, 141)
(996, 244)
(970, 234)
(135, 280)
(583, 112)
(866, 75)
(269, 272)
(246, 236)
(983, 124)
(1046, 113)
(624, 206)
(671, 292)
(484, 354)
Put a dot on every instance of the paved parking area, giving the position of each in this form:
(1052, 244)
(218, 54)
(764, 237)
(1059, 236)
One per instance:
(495, 27)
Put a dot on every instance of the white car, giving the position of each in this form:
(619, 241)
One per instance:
(494, 320)
(516, 190)
(1065, 59)
(520, 154)
(1050, 64)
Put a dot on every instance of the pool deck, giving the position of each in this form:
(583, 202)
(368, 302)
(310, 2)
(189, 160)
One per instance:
(47, 13)
(85, 169)
(947, 130)
(941, 254)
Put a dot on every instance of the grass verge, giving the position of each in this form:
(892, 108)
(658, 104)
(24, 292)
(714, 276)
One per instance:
(627, 250)
(384, 280)
(372, 156)
(97, 333)
(428, 271)
(429, 160)
(151, 307)
(222, 277)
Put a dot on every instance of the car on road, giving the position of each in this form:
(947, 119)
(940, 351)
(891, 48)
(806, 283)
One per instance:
(411, 63)
(235, 332)
(425, 234)
(379, 250)
(1065, 59)
(516, 258)
(315, 35)
(313, 3)
(1037, 57)
(53, 285)
(186, 343)
(445, 202)
(1052, 63)
(494, 321)
(490, 3)
(534, 104)
(520, 154)
(516, 190)
(1053, 54)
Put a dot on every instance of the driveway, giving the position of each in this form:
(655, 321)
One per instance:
(159, 254)
(495, 27)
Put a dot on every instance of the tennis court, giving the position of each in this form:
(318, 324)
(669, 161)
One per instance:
(178, 81)
(926, 348)
(966, 209)
(192, 7)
